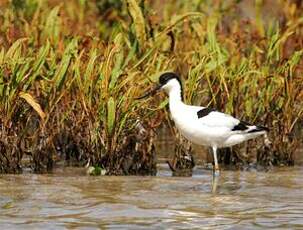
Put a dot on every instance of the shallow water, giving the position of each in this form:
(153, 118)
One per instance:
(71, 200)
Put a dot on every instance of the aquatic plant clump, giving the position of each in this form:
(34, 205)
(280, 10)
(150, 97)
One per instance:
(70, 72)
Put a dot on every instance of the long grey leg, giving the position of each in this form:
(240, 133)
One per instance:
(214, 186)
(216, 168)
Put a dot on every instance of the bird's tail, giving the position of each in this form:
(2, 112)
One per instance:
(256, 129)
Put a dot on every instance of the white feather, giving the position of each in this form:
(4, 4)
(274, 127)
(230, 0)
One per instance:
(214, 129)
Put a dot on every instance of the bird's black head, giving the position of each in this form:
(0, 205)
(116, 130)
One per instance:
(163, 80)
(165, 77)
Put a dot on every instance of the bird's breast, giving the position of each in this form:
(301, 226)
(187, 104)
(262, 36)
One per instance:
(192, 131)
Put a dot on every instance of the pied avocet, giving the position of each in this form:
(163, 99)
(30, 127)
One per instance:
(202, 125)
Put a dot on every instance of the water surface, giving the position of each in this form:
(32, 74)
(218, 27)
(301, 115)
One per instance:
(71, 200)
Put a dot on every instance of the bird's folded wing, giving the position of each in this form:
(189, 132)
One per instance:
(219, 120)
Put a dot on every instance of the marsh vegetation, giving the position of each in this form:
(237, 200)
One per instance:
(70, 72)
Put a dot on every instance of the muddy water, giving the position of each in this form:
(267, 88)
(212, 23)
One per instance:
(71, 200)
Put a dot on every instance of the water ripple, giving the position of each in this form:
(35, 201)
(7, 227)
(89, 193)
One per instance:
(235, 200)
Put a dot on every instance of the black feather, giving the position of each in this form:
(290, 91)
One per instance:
(204, 112)
(165, 77)
(241, 126)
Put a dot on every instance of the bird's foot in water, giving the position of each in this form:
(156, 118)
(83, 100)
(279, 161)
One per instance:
(216, 171)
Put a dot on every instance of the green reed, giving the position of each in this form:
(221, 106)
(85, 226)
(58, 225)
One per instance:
(68, 81)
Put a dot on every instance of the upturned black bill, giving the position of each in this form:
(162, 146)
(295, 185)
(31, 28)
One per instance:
(150, 93)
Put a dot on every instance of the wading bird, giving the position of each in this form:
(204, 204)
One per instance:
(202, 125)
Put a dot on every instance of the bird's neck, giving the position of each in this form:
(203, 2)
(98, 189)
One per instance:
(175, 99)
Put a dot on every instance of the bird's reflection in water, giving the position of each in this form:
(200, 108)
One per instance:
(214, 185)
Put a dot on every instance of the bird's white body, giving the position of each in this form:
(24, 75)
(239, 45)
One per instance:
(204, 126)
(215, 129)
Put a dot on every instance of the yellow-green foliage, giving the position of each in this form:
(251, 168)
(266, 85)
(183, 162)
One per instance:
(70, 70)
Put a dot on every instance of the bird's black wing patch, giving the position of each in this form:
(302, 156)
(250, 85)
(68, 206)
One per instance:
(204, 112)
(241, 126)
